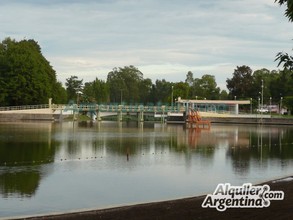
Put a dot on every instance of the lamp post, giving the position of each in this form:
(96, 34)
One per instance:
(120, 96)
(262, 94)
(281, 105)
(270, 106)
(250, 105)
(172, 98)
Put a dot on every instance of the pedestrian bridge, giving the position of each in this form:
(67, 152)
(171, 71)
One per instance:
(116, 108)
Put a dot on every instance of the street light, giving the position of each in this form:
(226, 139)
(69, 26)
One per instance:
(172, 98)
(120, 96)
(250, 105)
(270, 106)
(281, 105)
(262, 93)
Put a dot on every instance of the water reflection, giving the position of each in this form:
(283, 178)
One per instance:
(116, 156)
(23, 149)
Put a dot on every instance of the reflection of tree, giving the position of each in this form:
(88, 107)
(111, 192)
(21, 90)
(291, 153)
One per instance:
(240, 159)
(24, 148)
(23, 183)
(18, 152)
(266, 143)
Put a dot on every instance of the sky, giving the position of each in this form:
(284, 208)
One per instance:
(164, 39)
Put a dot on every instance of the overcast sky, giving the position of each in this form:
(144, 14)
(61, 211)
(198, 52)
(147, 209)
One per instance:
(164, 39)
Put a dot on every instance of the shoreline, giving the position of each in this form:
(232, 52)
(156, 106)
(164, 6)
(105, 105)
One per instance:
(187, 208)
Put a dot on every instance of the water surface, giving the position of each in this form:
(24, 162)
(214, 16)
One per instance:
(57, 167)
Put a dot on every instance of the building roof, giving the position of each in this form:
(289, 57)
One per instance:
(226, 102)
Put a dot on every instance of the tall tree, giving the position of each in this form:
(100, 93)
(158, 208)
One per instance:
(124, 84)
(163, 91)
(145, 88)
(73, 87)
(206, 87)
(241, 83)
(180, 89)
(96, 91)
(26, 77)
(261, 81)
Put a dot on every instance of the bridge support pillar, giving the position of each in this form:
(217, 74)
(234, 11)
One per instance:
(140, 116)
(50, 103)
(99, 116)
(61, 115)
(119, 114)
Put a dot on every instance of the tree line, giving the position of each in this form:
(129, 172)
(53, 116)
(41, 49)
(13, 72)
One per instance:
(27, 78)
(127, 85)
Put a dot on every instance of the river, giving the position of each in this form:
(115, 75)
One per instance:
(61, 167)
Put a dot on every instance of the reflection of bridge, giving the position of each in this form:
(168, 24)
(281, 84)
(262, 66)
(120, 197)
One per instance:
(106, 110)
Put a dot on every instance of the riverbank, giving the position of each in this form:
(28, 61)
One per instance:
(190, 208)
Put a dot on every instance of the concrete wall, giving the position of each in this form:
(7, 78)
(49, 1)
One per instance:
(268, 121)
(6, 117)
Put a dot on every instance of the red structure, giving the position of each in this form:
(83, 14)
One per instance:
(195, 118)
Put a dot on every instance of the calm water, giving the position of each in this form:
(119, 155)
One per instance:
(60, 167)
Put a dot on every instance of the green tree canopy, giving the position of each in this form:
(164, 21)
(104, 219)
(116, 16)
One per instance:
(204, 87)
(26, 77)
(240, 84)
(96, 91)
(73, 87)
(124, 84)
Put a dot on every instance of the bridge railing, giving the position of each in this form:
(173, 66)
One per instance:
(23, 107)
(117, 108)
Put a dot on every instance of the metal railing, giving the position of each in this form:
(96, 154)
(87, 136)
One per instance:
(24, 107)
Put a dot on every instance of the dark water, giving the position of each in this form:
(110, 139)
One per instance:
(57, 167)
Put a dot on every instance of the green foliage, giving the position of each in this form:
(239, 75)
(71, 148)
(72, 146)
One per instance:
(289, 9)
(161, 92)
(240, 84)
(180, 89)
(285, 58)
(26, 77)
(96, 91)
(288, 101)
(73, 87)
(124, 84)
(272, 85)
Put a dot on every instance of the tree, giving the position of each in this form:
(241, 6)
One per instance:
(60, 95)
(189, 78)
(180, 89)
(260, 78)
(96, 91)
(26, 77)
(206, 87)
(162, 91)
(241, 83)
(289, 10)
(145, 88)
(285, 58)
(73, 87)
(124, 84)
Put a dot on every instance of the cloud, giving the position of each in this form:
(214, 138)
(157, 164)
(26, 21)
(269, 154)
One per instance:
(164, 39)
